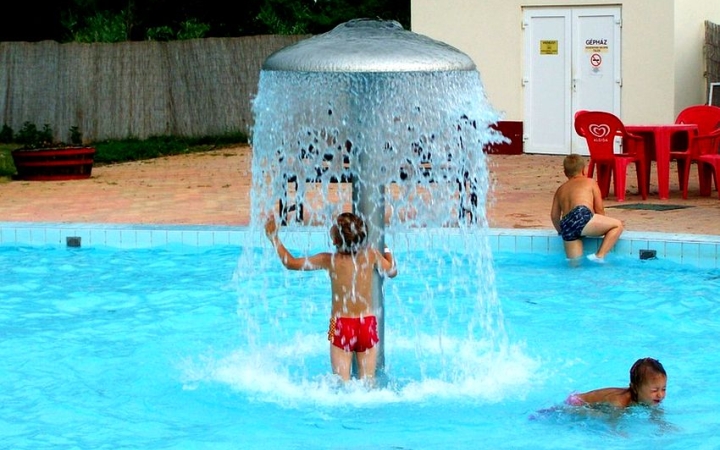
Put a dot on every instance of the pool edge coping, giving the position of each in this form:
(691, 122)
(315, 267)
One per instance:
(695, 249)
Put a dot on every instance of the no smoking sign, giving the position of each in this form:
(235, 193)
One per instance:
(595, 60)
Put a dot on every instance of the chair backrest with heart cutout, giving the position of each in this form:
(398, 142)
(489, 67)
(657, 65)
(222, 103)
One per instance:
(599, 128)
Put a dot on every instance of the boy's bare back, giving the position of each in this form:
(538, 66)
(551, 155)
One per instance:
(576, 191)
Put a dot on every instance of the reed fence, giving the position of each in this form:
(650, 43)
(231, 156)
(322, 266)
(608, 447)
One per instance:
(197, 87)
(712, 60)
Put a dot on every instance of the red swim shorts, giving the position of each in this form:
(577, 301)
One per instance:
(353, 334)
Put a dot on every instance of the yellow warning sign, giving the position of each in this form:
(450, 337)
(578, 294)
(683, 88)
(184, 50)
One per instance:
(548, 47)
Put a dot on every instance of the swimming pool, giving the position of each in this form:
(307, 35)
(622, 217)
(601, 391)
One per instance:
(181, 345)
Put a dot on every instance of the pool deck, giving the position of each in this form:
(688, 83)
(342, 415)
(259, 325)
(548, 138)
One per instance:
(213, 188)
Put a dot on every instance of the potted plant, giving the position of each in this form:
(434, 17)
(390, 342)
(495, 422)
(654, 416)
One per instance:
(44, 159)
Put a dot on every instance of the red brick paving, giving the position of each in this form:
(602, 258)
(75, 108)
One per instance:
(213, 188)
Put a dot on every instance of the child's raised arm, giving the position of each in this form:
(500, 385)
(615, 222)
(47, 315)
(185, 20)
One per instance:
(314, 262)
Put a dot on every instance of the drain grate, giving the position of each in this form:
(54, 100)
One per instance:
(649, 206)
(648, 254)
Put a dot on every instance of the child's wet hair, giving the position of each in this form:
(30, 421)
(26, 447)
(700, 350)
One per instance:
(641, 370)
(349, 233)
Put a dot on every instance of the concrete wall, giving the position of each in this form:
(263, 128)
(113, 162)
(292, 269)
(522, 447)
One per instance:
(662, 49)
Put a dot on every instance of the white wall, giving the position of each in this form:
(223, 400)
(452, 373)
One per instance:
(662, 41)
(490, 33)
(690, 82)
(648, 48)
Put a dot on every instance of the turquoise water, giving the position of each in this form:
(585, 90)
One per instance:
(194, 347)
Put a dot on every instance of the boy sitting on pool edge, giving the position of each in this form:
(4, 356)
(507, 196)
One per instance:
(578, 210)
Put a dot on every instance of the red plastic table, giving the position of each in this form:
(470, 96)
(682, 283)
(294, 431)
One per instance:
(658, 140)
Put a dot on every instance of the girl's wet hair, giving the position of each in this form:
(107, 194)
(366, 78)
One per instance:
(641, 370)
(349, 233)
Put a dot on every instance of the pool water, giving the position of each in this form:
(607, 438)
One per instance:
(219, 347)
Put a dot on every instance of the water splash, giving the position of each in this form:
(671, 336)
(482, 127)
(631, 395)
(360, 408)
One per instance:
(279, 375)
(423, 133)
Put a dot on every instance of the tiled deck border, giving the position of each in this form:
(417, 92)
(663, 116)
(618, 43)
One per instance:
(696, 250)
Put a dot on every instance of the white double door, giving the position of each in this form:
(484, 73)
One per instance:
(572, 62)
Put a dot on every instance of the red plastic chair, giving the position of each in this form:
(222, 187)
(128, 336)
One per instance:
(709, 163)
(707, 119)
(600, 128)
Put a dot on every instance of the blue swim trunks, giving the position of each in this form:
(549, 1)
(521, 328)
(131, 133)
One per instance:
(572, 224)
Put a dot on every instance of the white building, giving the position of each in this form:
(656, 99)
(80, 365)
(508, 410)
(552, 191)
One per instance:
(542, 60)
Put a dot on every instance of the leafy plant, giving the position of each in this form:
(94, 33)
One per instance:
(30, 136)
(75, 135)
(103, 26)
(189, 29)
(192, 29)
(6, 134)
(285, 18)
(162, 33)
(7, 167)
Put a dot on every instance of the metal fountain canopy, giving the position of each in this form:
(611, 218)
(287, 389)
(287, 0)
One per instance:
(364, 45)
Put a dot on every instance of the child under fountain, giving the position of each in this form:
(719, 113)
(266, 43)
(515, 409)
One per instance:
(353, 325)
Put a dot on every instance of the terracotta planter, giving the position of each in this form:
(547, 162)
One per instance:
(51, 164)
